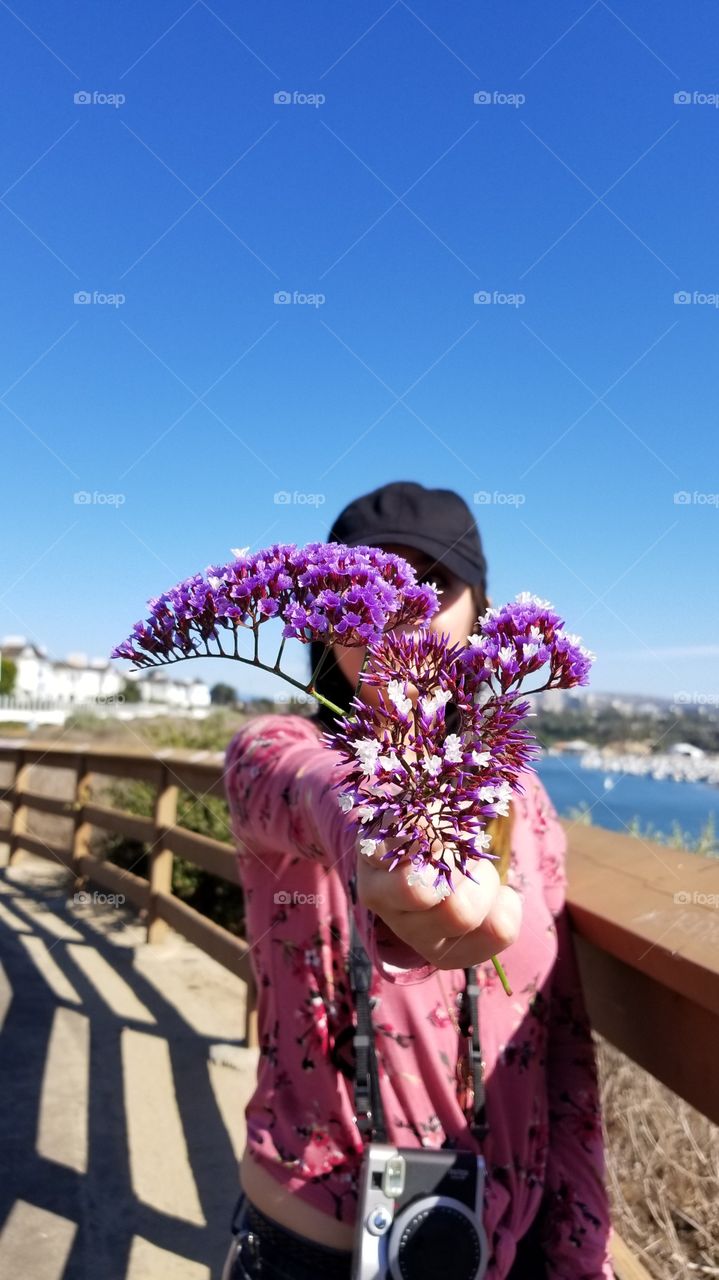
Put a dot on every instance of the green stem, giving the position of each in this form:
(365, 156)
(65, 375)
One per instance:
(323, 658)
(278, 659)
(502, 975)
(326, 702)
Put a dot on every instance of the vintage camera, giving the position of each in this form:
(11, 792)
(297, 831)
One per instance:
(420, 1215)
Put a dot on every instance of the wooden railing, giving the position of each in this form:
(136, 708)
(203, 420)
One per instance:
(645, 917)
(168, 772)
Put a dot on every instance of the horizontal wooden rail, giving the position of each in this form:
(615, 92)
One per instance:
(213, 856)
(116, 879)
(47, 804)
(117, 821)
(46, 849)
(233, 953)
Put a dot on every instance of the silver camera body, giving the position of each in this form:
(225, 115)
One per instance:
(420, 1215)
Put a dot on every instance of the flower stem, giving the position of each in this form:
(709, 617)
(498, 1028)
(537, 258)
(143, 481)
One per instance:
(278, 659)
(326, 702)
(323, 658)
(502, 975)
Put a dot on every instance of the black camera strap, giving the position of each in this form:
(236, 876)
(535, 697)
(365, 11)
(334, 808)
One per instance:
(469, 1026)
(369, 1113)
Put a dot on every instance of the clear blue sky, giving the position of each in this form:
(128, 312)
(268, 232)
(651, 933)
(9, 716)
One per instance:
(397, 198)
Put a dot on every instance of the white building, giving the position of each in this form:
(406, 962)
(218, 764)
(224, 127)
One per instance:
(156, 687)
(78, 679)
(685, 749)
(33, 670)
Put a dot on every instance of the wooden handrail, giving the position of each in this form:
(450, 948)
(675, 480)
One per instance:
(167, 771)
(646, 928)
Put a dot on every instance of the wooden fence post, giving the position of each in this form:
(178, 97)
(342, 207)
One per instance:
(80, 830)
(251, 1031)
(160, 875)
(18, 821)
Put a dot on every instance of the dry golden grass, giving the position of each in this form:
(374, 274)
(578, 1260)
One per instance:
(662, 1171)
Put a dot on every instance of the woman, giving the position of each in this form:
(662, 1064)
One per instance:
(545, 1203)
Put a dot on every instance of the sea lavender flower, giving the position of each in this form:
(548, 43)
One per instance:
(423, 787)
(416, 783)
(422, 790)
(428, 790)
(520, 638)
(323, 591)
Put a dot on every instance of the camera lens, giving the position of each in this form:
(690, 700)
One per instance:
(435, 1237)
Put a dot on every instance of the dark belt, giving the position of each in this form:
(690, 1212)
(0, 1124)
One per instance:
(298, 1256)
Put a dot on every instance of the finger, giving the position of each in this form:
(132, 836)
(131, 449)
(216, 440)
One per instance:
(390, 891)
(439, 932)
(459, 939)
(385, 891)
(499, 929)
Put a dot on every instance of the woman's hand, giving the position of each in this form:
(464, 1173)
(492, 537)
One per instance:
(463, 929)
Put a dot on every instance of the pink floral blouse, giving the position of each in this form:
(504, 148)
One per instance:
(295, 851)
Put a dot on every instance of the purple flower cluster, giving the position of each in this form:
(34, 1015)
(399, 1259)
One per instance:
(441, 753)
(426, 790)
(323, 591)
(515, 641)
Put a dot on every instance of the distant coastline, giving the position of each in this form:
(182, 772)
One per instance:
(663, 766)
(631, 800)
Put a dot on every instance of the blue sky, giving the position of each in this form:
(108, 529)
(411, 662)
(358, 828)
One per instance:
(181, 198)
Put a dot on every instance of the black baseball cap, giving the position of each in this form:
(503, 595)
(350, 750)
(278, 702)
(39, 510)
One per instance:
(436, 521)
